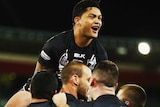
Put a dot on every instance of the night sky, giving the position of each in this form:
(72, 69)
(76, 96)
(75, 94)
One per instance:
(120, 18)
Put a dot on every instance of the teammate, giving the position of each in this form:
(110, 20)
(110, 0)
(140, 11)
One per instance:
(103, 85)
(80, 43)
(133, 95)
(43, 91)
(75, 78)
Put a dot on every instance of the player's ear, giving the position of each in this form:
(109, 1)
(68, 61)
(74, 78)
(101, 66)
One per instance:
(93, 82)
(127, 103)
(76, 20)
(75, 79)
(116, 85)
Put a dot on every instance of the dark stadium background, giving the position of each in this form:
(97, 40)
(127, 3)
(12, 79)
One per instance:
(123, 21)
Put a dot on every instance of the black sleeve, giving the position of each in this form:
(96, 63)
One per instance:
(101, 52)
(49, 55)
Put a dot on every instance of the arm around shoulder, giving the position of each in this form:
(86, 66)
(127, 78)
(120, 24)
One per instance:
(19, 99)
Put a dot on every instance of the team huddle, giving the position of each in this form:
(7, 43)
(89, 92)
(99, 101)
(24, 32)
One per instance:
(73, 69)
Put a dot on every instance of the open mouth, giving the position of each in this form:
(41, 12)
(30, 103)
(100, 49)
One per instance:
(95, 28)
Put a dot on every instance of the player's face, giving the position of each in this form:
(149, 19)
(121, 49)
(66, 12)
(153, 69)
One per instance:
(84, 84)
(90, 22)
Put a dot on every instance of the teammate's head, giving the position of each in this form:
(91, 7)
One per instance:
(77, 74)
(87, 18)
(43, 85)
(107, 73)
(133, 95)
(104, 79)
(82, 6)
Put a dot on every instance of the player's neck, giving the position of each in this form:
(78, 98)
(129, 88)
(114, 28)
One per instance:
(103, 90)
(81, 40)
(68, 88)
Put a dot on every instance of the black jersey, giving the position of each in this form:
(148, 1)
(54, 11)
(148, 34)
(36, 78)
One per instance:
(71, 100)
(60, 49)
(104, 101)
(42, 104)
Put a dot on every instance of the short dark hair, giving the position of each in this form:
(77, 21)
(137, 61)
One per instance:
(135, 94)
(107, 72)
(82, 6)
(43, 85)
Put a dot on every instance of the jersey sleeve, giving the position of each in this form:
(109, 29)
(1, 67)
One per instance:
(52, 50)
(48, 55)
